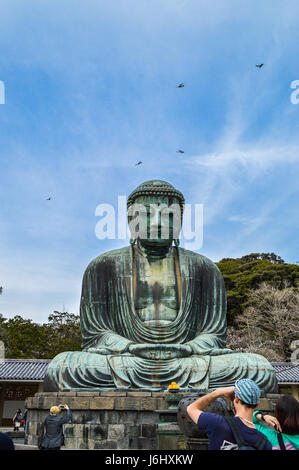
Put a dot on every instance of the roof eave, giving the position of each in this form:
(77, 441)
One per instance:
(22, 380)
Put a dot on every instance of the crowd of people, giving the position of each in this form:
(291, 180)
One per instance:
(248, 429)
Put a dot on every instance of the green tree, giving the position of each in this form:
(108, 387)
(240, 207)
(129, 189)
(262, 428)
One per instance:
(24, 339)
(64, 334)
(248, 272)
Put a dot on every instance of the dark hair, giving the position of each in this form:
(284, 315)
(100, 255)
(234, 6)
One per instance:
(247, 404)
(287, 413)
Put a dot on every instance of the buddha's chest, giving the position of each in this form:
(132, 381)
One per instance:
(156, 291)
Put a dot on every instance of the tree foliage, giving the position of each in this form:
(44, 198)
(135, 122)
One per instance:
(248, 272)
(258, 344)
(64, 332)
(270, 321)
(26, 339)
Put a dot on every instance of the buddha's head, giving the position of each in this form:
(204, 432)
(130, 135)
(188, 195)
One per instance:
(155, 213)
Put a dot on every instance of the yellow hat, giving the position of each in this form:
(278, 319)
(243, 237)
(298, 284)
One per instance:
(54, 410)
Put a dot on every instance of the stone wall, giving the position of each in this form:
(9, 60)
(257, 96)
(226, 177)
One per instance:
(115, 419)
(101, 420)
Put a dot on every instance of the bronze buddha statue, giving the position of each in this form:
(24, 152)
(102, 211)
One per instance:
(152, 313)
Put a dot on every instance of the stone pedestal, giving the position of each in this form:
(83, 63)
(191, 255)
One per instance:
(101, 420)
(137, 420)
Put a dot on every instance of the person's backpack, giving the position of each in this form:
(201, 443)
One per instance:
(280, 441)
(241, 443)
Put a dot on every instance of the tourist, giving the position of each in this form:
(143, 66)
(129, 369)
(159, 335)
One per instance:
(6, 443)
(17, 419)
(53, 439)
(246, 396)
(24, 420)
(285, 422)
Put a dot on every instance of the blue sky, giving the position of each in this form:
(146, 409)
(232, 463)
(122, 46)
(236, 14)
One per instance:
(90, 89)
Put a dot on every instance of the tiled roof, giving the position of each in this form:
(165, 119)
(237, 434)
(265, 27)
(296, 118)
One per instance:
(23, 369)
(35, 369)
(286, 372)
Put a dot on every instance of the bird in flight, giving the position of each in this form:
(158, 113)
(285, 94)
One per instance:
(49, 199)
(259, 66)
(181, 85)
(180, 151)
(138, 163)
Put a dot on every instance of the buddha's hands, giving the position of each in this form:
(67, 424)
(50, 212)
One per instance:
(101, 351)
(160, 351)
(220, 352)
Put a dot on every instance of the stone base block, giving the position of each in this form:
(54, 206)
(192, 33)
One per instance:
(115, 419)
(101, 420)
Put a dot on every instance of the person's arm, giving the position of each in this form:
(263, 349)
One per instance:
(263, 418)
(196, 408)
(65, 419)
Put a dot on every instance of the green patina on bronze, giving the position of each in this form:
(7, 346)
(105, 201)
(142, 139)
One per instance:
(152, 313)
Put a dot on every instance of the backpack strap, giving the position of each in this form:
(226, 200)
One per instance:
(280, 441)
(235, 430)
(260, 443)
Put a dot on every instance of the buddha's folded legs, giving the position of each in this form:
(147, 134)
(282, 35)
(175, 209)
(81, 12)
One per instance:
(86, 370)
(71, 370)
(226, 369)
(77, 370)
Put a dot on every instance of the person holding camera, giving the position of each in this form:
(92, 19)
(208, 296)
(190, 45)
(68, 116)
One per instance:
(53, 438)
(224, 432)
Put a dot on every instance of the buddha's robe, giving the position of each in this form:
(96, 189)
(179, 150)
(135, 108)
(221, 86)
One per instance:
(109, 324)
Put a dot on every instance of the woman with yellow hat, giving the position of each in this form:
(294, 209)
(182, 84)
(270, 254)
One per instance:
(53, 439)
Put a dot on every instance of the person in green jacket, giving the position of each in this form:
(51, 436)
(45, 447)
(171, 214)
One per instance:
(285, 421)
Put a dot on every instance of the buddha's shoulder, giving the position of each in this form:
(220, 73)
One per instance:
(110, 257)
(197, 258)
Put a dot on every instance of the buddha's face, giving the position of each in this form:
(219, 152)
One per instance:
(155, 220)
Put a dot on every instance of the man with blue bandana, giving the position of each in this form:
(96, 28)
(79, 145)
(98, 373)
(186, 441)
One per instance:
(245, 395)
